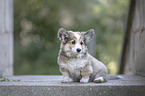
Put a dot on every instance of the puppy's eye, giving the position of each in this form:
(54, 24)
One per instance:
(82, 43)
(73, 42)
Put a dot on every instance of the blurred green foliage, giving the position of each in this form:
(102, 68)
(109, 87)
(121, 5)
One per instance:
(36, 23)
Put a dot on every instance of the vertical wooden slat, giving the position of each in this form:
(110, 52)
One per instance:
(126, 36)
(6, 37)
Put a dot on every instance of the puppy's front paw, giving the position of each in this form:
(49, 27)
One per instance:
(65, 81)
(84, 80)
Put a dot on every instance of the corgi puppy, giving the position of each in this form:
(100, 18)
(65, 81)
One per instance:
(75, 62)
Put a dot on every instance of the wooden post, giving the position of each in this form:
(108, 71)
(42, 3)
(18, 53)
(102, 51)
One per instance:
(132, 61)
(6, 37)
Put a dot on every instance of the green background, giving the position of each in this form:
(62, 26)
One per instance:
(36, 23)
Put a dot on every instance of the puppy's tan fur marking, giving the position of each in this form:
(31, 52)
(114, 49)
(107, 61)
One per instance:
(74, 60)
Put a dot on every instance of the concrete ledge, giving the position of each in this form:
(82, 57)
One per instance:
(52, 86)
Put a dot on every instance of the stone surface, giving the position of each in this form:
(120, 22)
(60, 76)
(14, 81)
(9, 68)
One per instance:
(52, 86)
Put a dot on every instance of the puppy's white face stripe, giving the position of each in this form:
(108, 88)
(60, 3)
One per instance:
(77, 36)
(77, 45)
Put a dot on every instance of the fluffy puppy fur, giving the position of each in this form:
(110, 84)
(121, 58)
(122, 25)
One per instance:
(75, 62)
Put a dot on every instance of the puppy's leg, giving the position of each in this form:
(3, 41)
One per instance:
(65, 74)
(85, 73)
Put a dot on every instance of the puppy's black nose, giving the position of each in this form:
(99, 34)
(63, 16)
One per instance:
(78, 50)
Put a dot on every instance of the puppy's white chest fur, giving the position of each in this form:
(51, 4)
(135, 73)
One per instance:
(74, 65)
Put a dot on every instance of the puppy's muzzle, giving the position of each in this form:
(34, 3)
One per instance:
(78, 50)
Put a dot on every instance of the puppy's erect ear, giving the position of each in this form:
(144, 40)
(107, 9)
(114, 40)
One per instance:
(62, 35)
(89, 35)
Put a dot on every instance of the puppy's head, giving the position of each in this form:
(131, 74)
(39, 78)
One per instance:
(73, 44)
